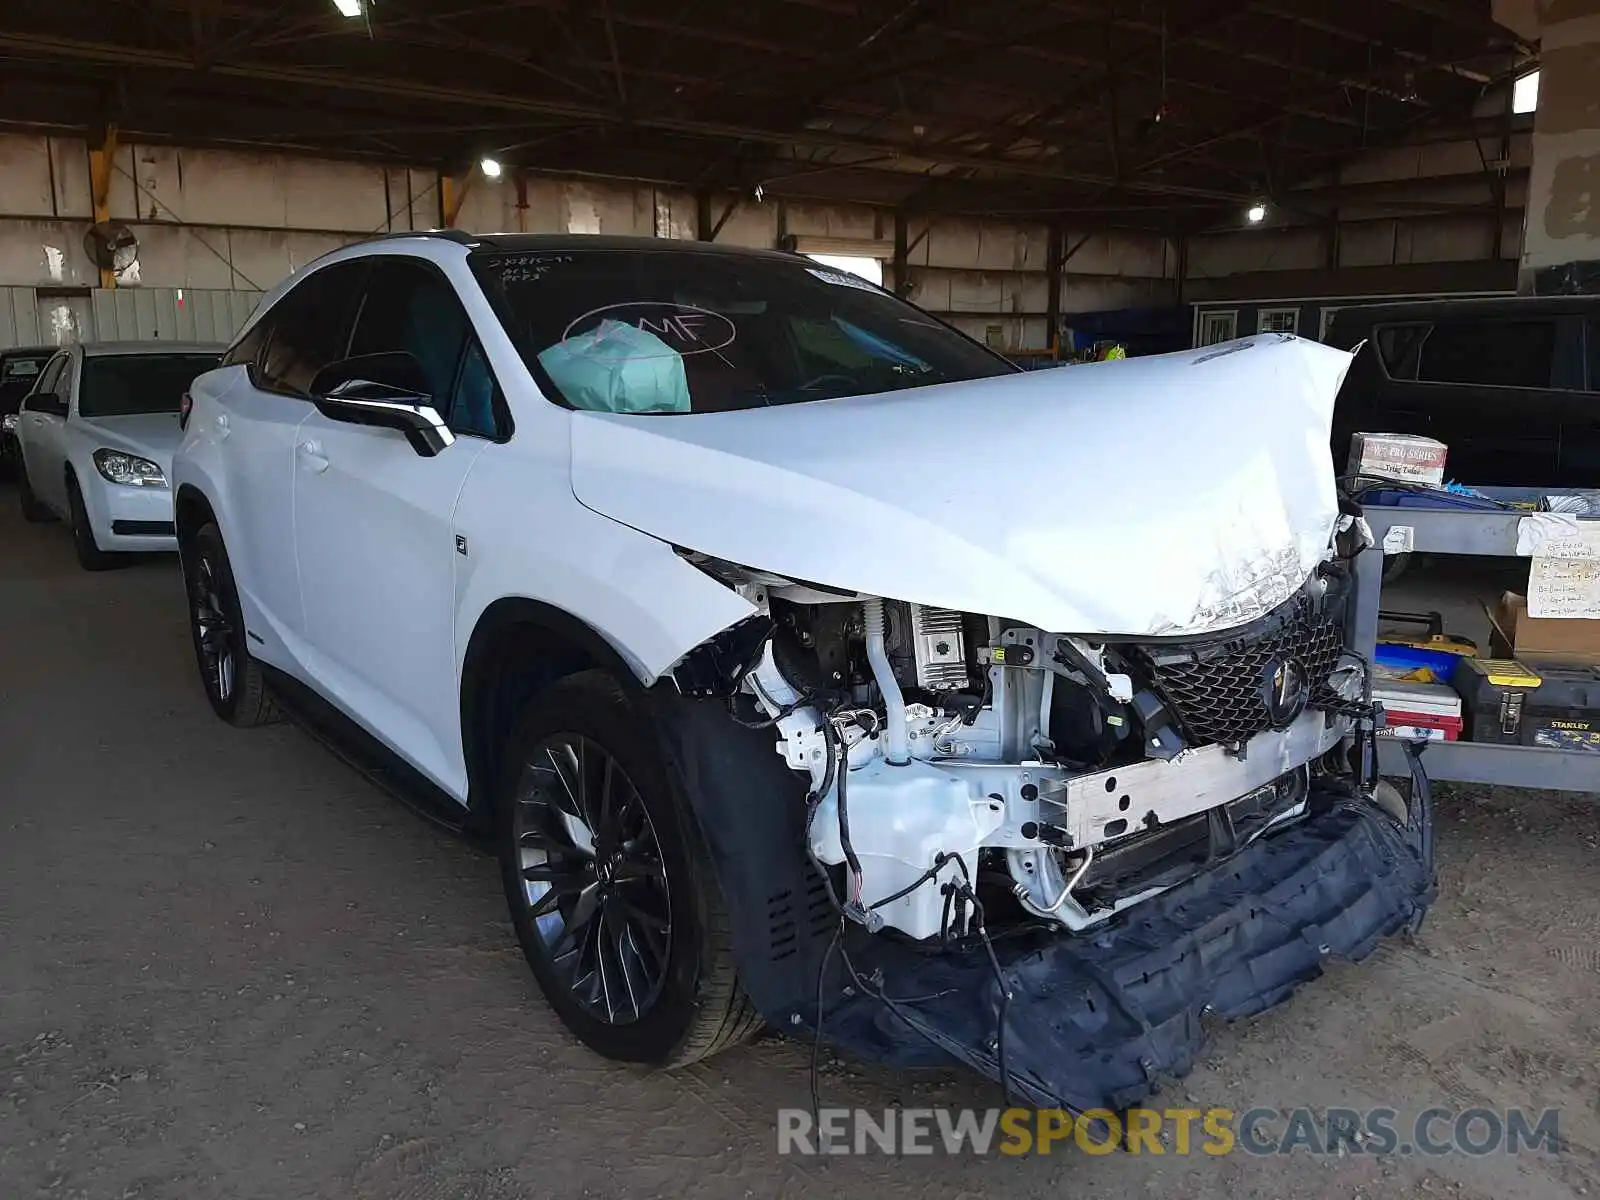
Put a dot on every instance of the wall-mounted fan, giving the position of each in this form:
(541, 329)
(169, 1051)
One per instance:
(111, 245)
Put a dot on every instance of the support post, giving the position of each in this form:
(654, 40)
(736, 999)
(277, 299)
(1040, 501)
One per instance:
(1561, 231)
(1182, 267)
(102, 159)
(453, 191)
(902, 255)
(702, 216)
(1054, 255)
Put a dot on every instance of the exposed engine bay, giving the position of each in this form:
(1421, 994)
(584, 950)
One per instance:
(1079, 799)
(968, 768)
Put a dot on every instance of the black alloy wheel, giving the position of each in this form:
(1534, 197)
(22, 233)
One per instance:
(233, 680)
(213, 632)
(610, 886)
(593, 878)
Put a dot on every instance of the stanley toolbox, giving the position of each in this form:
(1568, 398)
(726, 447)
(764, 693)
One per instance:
(1507, 701)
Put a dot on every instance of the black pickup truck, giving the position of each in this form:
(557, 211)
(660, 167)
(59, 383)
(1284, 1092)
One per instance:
(1511, 385)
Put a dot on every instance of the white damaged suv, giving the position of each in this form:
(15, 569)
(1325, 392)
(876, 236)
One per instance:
(804, 661)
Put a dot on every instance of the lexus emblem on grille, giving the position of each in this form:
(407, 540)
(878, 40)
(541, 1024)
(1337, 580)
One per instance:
(1284, 690)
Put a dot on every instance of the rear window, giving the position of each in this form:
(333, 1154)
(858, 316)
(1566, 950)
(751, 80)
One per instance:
(119, 385)
(18, 374)
(680, 332)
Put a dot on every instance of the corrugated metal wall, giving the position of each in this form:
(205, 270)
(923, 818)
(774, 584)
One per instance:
(170, 314)
(19, 317)
(33, 316)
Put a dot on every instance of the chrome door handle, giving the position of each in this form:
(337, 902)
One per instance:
(316, 460)
(222, 424)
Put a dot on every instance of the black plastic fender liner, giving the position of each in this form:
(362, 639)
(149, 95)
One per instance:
(1095, 1020)
(751, 810)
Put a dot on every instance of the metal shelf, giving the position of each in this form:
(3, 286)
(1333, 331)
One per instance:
(1508, 766)
(1492, 534)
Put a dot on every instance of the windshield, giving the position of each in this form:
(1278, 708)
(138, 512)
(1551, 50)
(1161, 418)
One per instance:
(18, 374)
(637, 331)
(118, 385)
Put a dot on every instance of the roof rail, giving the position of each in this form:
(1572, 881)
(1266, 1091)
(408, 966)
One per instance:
(460, 236)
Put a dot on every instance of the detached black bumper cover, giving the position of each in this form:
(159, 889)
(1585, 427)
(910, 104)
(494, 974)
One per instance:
(1094, 1021)
(1098, 1021)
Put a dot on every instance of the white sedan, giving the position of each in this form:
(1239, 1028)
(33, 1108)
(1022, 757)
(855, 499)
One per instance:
(97, 434)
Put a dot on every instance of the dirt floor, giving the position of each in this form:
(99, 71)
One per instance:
(231, 968)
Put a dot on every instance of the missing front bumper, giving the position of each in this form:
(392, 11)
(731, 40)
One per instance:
(1095, 1020)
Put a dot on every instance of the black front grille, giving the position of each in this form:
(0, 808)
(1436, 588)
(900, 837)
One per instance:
(1214, 687)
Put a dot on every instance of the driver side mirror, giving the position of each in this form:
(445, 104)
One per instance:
(46, 402)
(387, 391)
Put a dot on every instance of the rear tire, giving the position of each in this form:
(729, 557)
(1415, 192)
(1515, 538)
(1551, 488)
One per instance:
(234, 682)
(621, 921)
(90, 556)
(33, 509)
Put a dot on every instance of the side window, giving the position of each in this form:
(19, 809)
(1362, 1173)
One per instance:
(47, 379)
(473, 410)
(247, 350)
(1489, 353)
(1398, 348)
(63, 386)
(310, 325)
(410, 307)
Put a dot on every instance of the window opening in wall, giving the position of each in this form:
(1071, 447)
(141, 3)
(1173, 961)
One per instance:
(1218, 327)
(867, 268)
(1328, 315)
(1278, 320)
(1525, 93)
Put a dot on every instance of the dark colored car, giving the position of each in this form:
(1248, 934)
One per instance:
(1511, 385)
(19, 370)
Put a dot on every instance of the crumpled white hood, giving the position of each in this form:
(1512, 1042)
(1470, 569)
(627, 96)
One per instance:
(1159, 496)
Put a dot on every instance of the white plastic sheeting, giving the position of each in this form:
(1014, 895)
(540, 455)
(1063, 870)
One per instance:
(1160, 496)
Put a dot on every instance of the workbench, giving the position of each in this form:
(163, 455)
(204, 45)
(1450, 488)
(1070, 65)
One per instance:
(1491, 534)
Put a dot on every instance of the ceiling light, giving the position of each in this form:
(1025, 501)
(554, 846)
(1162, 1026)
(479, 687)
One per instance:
(1256, 214)
(348, 8)
(490, 167)
(1525, 93)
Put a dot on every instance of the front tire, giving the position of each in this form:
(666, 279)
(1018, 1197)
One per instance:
(90, 556)
(234, 682)
(609, 883)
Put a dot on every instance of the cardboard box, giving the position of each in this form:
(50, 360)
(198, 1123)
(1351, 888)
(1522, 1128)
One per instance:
(1514, 634)
(1407, 457)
